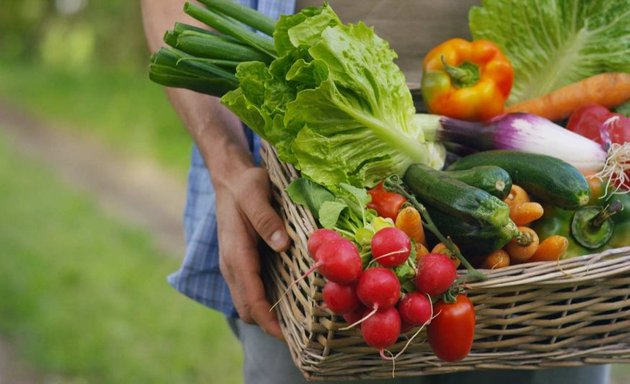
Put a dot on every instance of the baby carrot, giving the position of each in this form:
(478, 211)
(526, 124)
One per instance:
(443, 249)
(525, 213)
(421, 251)
(551, 249)
(516, 196)
(522, 247)
(497, 259)
(408, 220)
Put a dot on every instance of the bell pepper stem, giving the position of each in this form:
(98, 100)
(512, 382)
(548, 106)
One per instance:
(464, 75)
(606, 213)
(393, 183)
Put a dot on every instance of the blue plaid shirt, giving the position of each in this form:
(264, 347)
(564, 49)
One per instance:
(199, 277)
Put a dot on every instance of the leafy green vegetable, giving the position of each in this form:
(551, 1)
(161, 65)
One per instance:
(333, 103)
(311, 195)
(624, 109)
(344, 211)
(552, 43)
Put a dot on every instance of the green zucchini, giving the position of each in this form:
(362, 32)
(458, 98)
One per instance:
(550, 179)
(456, 198)
(472, 239)
(492, 179)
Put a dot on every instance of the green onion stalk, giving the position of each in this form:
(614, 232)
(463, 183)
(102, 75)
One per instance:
(205, 60)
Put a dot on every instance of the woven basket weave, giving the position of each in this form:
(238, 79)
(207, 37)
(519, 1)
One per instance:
(529, 316)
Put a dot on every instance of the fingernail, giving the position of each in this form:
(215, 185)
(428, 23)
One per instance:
(277, 240)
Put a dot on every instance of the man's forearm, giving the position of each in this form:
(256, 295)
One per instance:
(217, 132)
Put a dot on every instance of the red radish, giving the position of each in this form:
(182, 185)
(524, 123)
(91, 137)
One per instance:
(378, 288)
(415, 308)
(340, 298)
(436, 273)
(390, 247)
(339, 261)
(382, 329)
(405, 326)
(356, 315)
(318, 237)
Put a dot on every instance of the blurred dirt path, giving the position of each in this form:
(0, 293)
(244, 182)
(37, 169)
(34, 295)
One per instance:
(15, 371)
(136, 190)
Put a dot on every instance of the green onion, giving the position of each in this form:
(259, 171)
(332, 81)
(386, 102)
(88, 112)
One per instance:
(245, 15)
(189, 64)
(231, 28)
(214, 47)
(170, 77)
(182, 27)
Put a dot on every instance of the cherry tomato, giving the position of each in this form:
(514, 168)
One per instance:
(385, 203)
(589, 120)
(452, 330)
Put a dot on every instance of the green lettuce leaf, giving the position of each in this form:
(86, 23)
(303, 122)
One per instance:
(344, 211)
(552, 43)
(333, 103)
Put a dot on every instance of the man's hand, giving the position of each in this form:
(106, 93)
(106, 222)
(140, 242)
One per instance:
(244, 212)
(242, 190)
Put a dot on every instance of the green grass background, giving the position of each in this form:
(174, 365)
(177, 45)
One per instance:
(121, 107)
(84, 295)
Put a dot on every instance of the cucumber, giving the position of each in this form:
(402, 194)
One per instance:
(550, 179)
(494, 180)
(456, 198)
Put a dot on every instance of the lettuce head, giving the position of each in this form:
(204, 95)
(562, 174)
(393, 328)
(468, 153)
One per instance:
(333, 103)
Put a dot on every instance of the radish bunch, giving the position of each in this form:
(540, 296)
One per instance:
(373, 293)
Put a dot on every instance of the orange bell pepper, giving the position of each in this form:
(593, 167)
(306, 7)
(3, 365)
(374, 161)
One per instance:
(466, 80)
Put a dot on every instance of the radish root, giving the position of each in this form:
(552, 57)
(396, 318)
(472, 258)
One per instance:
(402, 250)
(396, 356)
(617, 163)
(361, 320)
(286, 291)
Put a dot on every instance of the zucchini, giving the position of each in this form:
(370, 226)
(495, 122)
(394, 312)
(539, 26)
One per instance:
(550, 179)
(456, 198)
(492, 179)
(472, 239)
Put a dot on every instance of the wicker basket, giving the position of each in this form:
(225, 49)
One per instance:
(531, 316)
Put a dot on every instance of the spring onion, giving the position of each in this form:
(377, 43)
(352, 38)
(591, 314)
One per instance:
(521, 132)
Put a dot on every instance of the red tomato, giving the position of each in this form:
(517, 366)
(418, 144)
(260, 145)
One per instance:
(589, 120)
(385, 203)
(452, 330)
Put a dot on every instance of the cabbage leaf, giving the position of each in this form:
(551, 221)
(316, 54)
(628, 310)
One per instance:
(552, 43)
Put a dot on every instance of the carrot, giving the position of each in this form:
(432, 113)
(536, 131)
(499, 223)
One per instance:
(443, 249)
(606, 89)
(523, 246)
(497, 259)
(516, 196)
(525, 213)
(551, 249)
(596, 185)
(421, 251)
(408, 220)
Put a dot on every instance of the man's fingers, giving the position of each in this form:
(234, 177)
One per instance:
(265, 220)
(252, 293)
